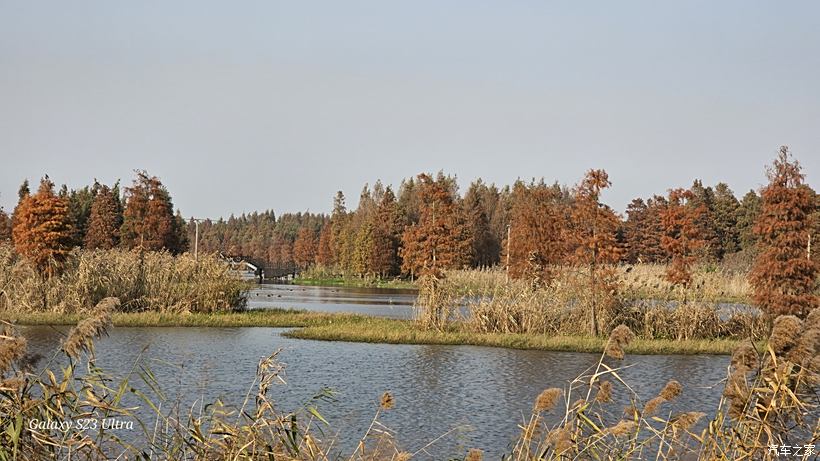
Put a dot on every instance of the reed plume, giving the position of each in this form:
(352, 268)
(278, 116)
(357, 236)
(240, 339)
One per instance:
(81, 338)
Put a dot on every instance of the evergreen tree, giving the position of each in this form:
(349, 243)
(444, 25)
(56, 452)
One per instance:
(486, 245)
(23, 191)
(747, 214)
(784, 276)
(5, 226)
(79, 211)
(703, 199)
(634, 229)
(180, 242)
(104, 221)
(725, 219)
(363, 248)
(387, 228)
(42, 229)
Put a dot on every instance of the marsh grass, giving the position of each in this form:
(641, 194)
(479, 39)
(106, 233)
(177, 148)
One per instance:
(637, 281)
(490, 304)
(155, 281)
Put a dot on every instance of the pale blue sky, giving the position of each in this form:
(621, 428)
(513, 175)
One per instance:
(242, 106)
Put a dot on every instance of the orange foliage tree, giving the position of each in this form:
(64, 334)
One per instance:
(42, 229)
(324, 250)
(784, 276)
(440, 240)
(148, 220)
(682, 235)
(594, 238)
(304, 248)
(537, 232)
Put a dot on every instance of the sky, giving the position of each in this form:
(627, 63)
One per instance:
(255, 105)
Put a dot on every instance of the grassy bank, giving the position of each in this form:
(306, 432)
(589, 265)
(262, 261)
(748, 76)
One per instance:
(388, 331)
(356, 328)
(277, 318)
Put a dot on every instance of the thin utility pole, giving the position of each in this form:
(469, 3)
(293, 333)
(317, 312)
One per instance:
(196, 240)
(507, 275)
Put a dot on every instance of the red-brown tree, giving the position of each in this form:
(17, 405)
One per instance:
(440, 240)
(387, 228)
(148, 219)
(593, 235)
(304, 248)
(42, 229)
(538, 232)
(784, 275)
(682, 235)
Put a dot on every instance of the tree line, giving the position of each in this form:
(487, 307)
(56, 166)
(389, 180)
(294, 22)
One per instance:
(47, 224)
(531, 228)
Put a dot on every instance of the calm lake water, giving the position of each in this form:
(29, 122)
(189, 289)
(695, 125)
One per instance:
(381, 302)
(480, 393)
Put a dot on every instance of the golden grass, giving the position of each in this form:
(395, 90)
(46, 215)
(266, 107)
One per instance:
(637, 281)
(142, 281)
(493, 305)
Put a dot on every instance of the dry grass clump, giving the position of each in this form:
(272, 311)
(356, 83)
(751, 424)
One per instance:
(638, 281)
(436, 304)
(493, 305)
(141, 280)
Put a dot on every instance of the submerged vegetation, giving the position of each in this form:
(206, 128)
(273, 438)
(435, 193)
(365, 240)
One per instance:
(770, 398)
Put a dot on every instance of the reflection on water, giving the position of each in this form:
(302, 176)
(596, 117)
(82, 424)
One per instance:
(382, 302)
(437, 388)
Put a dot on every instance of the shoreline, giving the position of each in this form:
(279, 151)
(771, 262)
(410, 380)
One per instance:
(364, 329)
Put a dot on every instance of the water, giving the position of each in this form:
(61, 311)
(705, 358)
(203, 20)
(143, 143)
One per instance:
(381, 302)
(481, 392)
